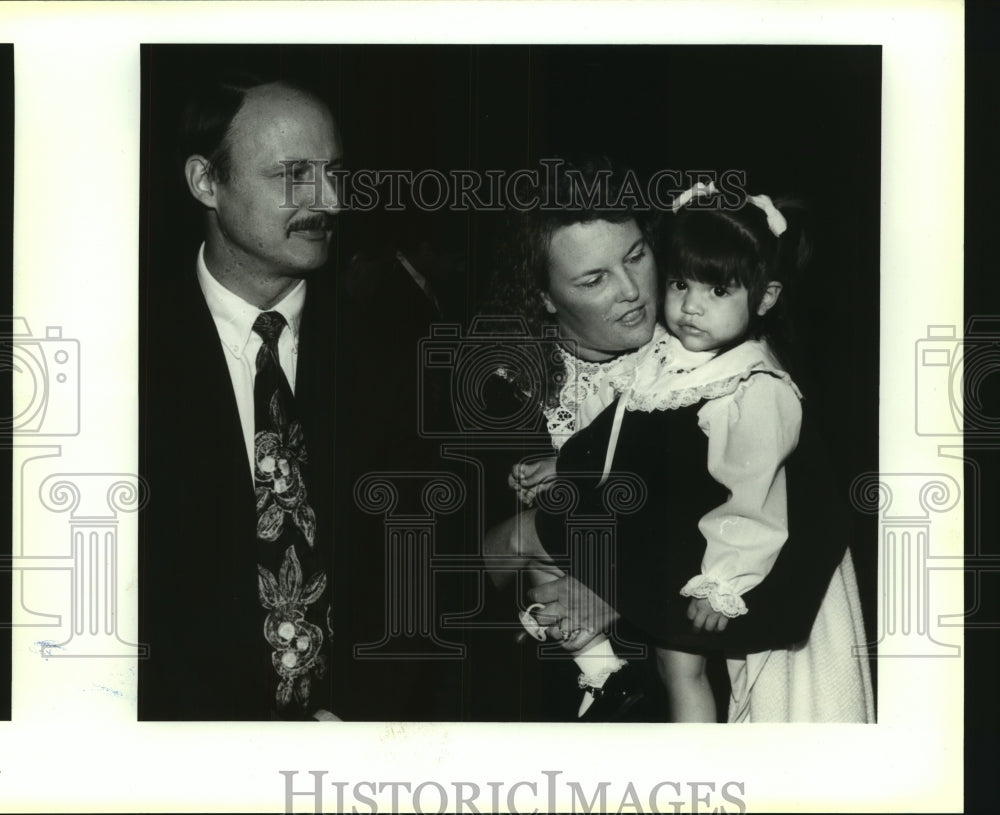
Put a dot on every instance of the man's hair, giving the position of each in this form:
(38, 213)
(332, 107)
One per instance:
(208, 118)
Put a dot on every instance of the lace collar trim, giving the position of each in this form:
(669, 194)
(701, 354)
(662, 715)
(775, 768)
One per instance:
(669, 388)
(662, 375)
(587, 386)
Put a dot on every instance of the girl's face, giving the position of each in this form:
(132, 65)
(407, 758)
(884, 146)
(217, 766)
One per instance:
(706, 317)
(602, 287)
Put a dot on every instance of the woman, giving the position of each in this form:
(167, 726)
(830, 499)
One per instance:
(590, 269)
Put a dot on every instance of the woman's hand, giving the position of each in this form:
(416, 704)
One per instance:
(574, 614)
(704, 617)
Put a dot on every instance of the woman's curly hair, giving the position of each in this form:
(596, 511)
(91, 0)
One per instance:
(578, 191)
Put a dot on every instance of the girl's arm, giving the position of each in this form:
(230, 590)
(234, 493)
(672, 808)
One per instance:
(750, 435)
(513, 546)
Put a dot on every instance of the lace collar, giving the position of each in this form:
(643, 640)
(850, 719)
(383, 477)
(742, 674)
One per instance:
(675, 383)
(589, 387)
(662, 375)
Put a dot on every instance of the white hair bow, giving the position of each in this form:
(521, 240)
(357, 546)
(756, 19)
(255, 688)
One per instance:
(775, 220)
(697, 190)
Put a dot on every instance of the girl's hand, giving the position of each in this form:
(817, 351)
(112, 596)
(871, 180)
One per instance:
(704, 617)
(528, 479)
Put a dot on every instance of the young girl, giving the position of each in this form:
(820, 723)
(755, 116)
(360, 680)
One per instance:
(715, 375)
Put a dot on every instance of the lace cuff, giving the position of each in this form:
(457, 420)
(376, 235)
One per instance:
(721, 594)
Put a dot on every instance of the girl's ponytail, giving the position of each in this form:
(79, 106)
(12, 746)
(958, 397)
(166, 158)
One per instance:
(794, 251)
(790, 264)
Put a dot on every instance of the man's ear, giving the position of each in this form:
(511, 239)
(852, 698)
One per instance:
(201, 184)
(771, 293)
(550, 307)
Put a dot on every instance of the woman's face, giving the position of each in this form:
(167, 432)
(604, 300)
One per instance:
(602, 287)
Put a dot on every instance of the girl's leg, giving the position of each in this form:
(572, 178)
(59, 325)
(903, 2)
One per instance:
(686, 682)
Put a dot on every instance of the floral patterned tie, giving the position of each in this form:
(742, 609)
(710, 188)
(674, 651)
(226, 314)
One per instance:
(286, 536)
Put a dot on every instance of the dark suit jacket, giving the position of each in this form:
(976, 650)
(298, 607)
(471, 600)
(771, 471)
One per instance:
(199, 611)
(381, 316)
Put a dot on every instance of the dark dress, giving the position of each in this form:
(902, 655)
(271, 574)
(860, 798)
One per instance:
(656, 544)
(635, 542)
(654, 557)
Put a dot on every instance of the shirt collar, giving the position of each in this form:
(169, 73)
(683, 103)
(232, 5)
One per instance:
(234, 317)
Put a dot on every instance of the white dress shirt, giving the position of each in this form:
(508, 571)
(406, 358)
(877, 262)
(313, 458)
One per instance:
(234, 318)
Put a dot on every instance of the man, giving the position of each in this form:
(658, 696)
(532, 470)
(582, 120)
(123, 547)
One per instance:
(238, 589)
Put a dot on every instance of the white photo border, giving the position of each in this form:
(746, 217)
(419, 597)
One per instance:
(74, 743)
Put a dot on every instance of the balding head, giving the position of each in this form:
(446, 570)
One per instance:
(263, 180)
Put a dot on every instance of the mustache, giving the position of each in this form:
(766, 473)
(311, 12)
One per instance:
(318, 220)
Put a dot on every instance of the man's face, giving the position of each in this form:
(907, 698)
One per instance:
(260, 235)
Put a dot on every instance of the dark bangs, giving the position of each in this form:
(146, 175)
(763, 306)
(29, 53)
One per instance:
(714, 248)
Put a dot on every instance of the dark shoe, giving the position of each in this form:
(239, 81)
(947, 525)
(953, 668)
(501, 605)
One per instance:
(621, 696)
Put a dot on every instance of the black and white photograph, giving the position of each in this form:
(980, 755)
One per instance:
(492, 423)
(477, 252)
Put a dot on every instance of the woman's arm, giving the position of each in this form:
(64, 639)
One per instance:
(513, 545)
